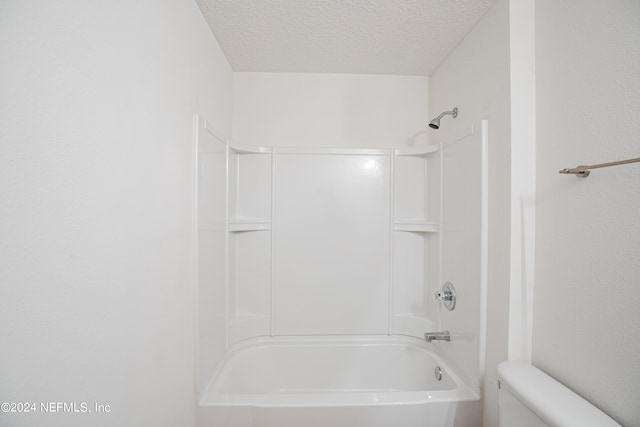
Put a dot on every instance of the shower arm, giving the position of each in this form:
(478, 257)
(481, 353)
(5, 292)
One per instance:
(453, 112)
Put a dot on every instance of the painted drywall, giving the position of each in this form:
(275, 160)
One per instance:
(476, 78)
(330, 110)
(523, 177)
(96, 292)
(586, 304)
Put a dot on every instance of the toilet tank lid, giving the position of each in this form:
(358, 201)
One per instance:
(554, 403)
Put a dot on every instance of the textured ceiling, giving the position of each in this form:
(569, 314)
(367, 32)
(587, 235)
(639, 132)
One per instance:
(402, 37)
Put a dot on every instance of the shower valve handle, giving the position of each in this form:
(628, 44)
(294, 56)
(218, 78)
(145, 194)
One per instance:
(442, 296)
(447, 296)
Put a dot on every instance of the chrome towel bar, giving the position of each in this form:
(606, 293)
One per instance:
(583, 171)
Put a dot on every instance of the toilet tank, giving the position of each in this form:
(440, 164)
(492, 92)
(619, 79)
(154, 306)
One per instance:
(530, 398)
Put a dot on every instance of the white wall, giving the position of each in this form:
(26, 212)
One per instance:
(587, 298)
(96, 298)
(523, 176)
(475, 77)
(330, 110)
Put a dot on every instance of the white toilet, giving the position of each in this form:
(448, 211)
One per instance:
(530, 398)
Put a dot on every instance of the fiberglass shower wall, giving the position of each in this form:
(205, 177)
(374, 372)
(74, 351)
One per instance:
(323, 242)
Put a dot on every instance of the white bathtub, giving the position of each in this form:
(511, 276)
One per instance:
(328, 381)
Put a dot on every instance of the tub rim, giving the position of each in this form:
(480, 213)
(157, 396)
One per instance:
(461, 392)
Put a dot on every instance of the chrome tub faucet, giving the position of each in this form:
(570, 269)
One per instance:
(437, 336)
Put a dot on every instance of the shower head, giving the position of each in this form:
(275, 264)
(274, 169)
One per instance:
(435, 123)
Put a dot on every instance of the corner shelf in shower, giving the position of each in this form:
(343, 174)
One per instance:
(419, 151)
(250, 149)
(416, 226)
(248, 224)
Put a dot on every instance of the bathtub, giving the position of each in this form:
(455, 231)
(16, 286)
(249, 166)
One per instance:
(329, 381)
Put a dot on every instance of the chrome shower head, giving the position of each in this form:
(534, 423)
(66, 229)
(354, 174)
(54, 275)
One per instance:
(435, 123)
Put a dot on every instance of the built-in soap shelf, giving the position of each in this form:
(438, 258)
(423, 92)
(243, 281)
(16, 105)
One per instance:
(417, 151)
(250, 171)
(416, 226)
(250, 149)
(248, 224)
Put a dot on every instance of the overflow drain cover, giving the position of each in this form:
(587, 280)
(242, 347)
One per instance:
(438, 373)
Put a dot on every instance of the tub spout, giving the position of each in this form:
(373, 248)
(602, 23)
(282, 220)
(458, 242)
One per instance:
(438, 336)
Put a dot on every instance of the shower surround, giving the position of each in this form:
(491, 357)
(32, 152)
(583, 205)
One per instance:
(317, 268)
